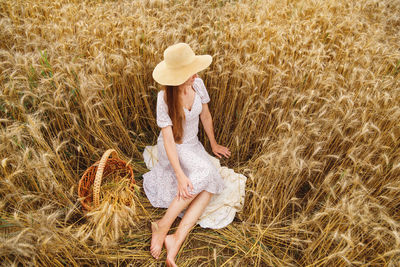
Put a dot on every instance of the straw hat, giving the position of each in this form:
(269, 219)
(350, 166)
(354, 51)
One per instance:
(179, 64)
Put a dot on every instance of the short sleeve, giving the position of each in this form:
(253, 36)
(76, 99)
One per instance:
(163, 119)
(201, 89)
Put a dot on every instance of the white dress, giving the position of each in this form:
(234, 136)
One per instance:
(204, 171)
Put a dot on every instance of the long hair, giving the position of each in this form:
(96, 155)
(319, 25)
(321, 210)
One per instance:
(175, 111)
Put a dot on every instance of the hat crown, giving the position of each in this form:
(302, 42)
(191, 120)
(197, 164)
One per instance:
(178, 55)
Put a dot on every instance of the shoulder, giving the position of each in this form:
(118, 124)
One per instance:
(199, 82)
(201, 89)
(161, 100)
(199, 86)
(161, 96)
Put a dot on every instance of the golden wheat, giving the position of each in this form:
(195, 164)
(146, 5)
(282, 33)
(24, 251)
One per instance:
(305, 93)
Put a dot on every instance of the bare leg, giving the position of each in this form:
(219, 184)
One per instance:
(160, 228)
(173, 242)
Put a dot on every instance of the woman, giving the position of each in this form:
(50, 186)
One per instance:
(184, 177)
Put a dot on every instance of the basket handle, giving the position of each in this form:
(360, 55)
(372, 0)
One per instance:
(99, 175)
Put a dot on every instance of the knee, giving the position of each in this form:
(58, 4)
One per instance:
(206, 193)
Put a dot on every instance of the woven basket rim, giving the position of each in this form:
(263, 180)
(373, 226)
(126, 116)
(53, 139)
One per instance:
(100, 164)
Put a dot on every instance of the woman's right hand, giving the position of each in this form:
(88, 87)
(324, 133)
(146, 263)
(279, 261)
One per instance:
(183, 184)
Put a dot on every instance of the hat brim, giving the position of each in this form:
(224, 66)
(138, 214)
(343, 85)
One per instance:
(166, 76)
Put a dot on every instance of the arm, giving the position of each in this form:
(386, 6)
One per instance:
(172, 154)
(206, 120)
(165, 123)
(170, 148)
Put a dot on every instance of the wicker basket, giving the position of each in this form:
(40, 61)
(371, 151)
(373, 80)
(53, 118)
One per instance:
(90, 199)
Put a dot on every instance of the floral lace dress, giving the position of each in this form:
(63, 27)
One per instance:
(160, 183)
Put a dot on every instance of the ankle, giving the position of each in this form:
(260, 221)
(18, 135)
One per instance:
(162, 226)
(178, 238)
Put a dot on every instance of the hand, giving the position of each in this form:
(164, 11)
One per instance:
(219, 150)
(183, 184)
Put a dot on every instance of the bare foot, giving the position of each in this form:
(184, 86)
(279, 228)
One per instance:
(157, 239)
(172, 247)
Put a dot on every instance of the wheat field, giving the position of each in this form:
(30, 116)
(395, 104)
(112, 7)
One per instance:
(305, 94)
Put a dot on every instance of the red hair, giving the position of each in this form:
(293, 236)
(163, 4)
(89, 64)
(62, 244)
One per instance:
(175, 111)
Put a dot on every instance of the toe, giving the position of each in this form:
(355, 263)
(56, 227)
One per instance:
(155, 253)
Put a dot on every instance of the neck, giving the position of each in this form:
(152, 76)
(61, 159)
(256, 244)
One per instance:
(184, 88)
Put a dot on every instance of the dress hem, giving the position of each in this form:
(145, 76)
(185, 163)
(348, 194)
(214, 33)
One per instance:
(157, 204)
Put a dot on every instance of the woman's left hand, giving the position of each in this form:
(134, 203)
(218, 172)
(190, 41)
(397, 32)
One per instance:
(219, 150)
